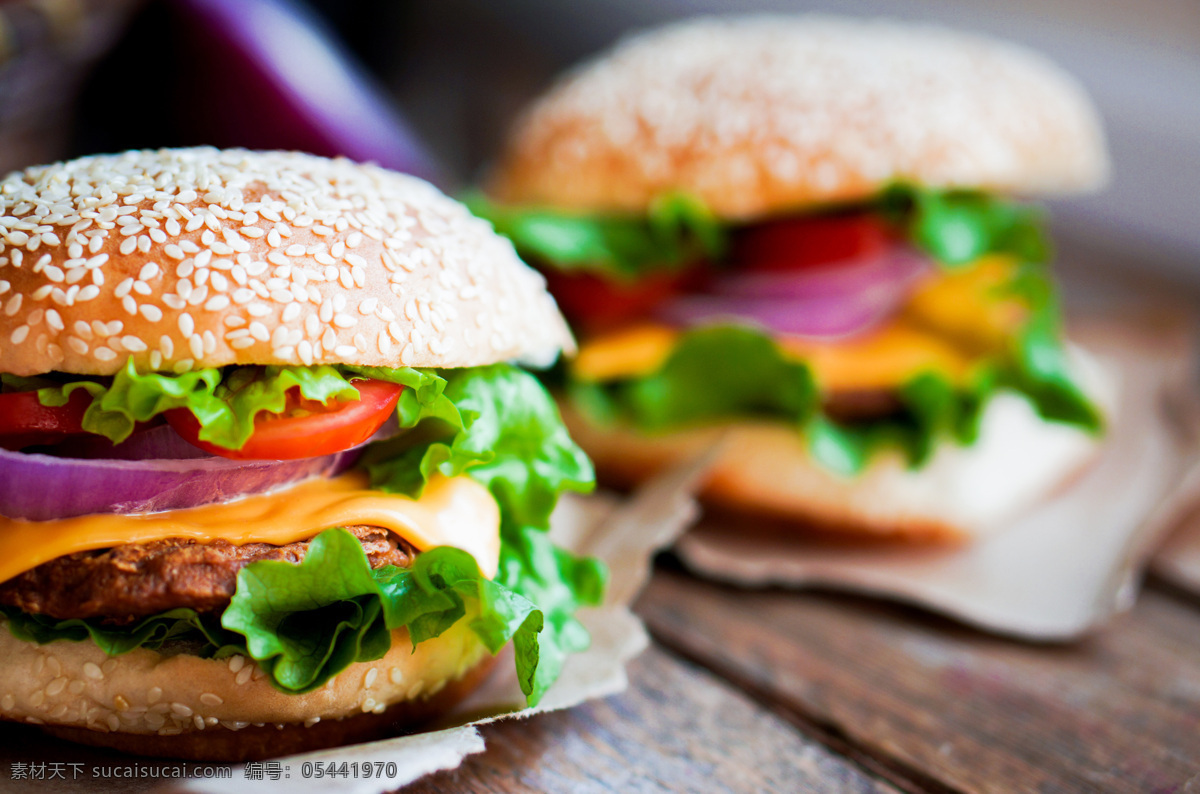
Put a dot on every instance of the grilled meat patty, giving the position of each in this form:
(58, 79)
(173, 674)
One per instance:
(124, 583)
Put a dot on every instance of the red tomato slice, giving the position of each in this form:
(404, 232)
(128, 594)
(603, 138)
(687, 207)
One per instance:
(596, 303)
(25, 422)
(810, 242)
(306, 428)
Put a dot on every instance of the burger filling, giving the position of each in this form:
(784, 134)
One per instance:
(881, 325)
(119, 585)
(305, 513)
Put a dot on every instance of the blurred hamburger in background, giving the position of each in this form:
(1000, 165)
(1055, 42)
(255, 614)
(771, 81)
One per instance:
(807, 236)
(267, 479)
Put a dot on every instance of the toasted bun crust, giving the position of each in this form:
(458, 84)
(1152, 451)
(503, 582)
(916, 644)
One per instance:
(761, 115)
(764, 468)
(184, 706)
(193, 258)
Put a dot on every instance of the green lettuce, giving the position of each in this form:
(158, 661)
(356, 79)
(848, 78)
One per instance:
(224, 401)
(305, 623)
(720, 373)
(956, 227)
(500, 426)
(152, 632)
(677, 230)
(713, 373)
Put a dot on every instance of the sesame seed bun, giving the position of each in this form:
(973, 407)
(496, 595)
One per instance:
(762, 115)
(182, 706)
(196, 258)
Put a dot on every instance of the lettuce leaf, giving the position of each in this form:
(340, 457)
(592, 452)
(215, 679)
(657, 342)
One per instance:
(957, 227)
(496, 423)
(954, 226)
(500, 426)
(305, 623)
(151, 632)
(677, 230)
(713, 373)
(721, 373)
(224, 401)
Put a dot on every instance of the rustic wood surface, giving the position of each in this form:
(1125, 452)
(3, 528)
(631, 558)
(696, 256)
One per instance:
(933, 706)
(783, 691)
(675, 729)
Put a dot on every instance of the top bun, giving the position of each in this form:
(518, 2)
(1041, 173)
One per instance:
(196, 258)
(762, 115)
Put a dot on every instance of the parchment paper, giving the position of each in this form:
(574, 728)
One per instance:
(1178, 560)
(625, 534)
(1068, 563)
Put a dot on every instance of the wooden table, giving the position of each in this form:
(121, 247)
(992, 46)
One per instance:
(783, 691)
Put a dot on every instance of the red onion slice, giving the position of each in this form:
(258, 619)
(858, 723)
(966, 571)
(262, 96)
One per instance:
(897, 270)
(823, 303)
(829, 318)
(42, 487)
(156, 443)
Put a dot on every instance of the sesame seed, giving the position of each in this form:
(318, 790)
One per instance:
(92, 670)
(84, 219)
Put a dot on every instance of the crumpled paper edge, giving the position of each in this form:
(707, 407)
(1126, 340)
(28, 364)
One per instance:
(1178, 561)
(1153, 356)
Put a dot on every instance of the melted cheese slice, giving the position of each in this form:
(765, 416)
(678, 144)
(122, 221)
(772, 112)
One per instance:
(944, 327)
(451, 512)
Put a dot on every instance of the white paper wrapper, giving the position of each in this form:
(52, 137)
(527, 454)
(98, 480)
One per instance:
(1063, 566)
(625, 534)
(1178, 559)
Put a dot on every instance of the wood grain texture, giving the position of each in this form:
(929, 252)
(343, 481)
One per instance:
(948, 707)
(676, 729)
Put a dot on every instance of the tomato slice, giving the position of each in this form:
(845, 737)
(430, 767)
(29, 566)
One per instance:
(597, 303)
(810, 242)
(25, 422)
(305, 428)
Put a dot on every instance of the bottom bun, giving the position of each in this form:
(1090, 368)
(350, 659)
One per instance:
(181, 706)
(764, 467)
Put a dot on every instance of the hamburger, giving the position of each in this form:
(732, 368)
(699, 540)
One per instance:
(810, 237)
(269, 479)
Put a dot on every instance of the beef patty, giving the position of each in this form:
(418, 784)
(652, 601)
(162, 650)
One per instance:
(136, 580)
